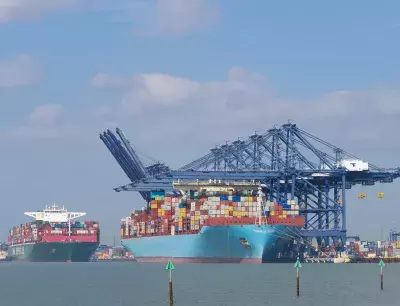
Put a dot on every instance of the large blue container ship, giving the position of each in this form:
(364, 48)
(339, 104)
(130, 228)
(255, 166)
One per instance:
(237, 244)
(226, 225)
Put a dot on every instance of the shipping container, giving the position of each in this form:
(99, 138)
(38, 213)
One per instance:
(35, 231)
(168, 215)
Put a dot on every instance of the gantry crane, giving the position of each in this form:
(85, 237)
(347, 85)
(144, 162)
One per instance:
(290, 165)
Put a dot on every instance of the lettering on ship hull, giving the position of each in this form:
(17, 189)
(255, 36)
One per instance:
(18, 250)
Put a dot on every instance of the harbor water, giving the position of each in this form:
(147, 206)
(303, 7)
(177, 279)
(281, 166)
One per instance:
(131, 284)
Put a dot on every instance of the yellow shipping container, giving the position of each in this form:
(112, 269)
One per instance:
(197, 218)
(235, 213)
(154, 206)
(397, 245)
(230, 208)
(272, 213)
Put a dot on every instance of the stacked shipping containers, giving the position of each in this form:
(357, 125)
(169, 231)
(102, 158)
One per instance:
(188, 214)
(37, 231)
(372, 249)
(105, 252)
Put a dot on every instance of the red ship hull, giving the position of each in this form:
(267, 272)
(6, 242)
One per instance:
(66, 239)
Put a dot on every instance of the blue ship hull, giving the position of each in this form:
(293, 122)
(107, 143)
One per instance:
(246, 243)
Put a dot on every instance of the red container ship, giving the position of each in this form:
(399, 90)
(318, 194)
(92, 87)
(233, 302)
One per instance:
(54, 236)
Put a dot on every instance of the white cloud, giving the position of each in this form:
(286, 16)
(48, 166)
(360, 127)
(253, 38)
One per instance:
(244, 102)
(179, 17)
(48, 115)
(144, 92)
(22, 9)
(163, 88)
(155, 17)
(45, 122)
(102, 80)
(160, 110)
(20, 71)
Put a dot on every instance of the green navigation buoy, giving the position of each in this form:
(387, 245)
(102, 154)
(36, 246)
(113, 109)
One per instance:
(381, 264)
(297, 265)
(170, 267)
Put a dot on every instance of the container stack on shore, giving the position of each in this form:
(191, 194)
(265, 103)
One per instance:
(168, 215)
(109, 253)
(373, 249)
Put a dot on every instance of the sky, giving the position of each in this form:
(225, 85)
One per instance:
(179, 77)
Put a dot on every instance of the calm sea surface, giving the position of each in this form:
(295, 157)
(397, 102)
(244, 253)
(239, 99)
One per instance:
(136, 284)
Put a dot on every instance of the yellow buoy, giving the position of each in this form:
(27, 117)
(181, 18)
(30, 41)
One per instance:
(362, 195)
(380, 195)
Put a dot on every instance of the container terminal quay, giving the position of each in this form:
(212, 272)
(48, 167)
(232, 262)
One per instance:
(273, 197)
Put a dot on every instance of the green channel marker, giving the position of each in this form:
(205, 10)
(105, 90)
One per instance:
(170, 267)
(381, 264)
(297, 265)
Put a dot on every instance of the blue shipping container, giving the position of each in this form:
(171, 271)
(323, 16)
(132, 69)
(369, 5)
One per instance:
(155, 194)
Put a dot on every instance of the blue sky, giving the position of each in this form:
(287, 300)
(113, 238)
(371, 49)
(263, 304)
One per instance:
(71, 68)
